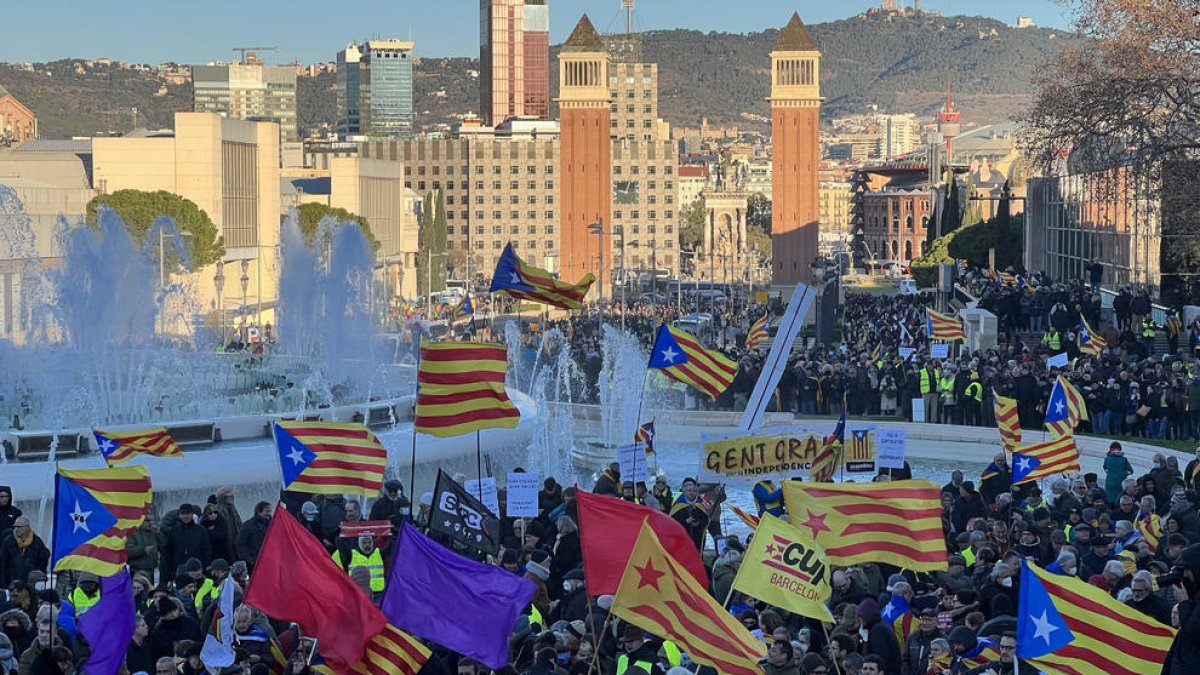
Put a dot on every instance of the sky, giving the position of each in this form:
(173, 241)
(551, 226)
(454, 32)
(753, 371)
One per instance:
(157, 31)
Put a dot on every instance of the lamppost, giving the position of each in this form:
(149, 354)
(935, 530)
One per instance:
(597, 228)
(219, 285)
(245, 281)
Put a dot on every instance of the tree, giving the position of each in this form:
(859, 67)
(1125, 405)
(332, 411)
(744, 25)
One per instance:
(691, 225)
(436, 243)
(758, 212)
(756, 238)
(424, 227)
(951, 211)
(140, 210)
(311, 215)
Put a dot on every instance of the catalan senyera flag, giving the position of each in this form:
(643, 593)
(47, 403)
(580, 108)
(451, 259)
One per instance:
(898, 522)
(95, 510)
(1007, 279)
(660, 596)
(1007, 420)
(678, 355)
(746, 517)
(330, 458)
(1069, 627)
(1065, 409)
(1048, 458)
(1151, 528)
(1087, 340)
(121, 446)
(829, 457)
(460, 389)
(943, 327)
(758, 333)
(392, 652)
(784, 567)
(522, 280)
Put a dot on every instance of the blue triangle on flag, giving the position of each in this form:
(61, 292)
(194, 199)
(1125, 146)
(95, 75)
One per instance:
(1023, 465)
(1041, 629)
(78, 517)
(1056, 407)
(895, 609)
(507, 276)
(666, 351)
(294, 456)
(107, 445)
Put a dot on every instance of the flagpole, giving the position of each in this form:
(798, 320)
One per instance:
(479, 464)
(836, 666)
(593, 668)
(412, 470)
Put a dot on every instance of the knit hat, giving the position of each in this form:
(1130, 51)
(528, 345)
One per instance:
(605, 602)
(508, 557)
(184, 580)
(812, 661)
(218, 564)
(193, 565)
(539, 571)
(539, 556)
(86, 577)
(577, 628)
(309, 508)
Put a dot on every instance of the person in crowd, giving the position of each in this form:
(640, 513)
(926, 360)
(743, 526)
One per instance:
(22, 551)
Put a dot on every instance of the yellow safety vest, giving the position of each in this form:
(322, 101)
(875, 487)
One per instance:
(968, 555)
(207, 590)
(623, 665)
(926, 385)
(535, 616)
(674, 656)
(975, 391)
(81, 602)
(373, 562)
(772, 504)
(1148, 329)
(1054, 340)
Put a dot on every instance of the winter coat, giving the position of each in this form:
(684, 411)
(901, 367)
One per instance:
(17, 563)
(218, 538)
(183, 542)
(250, 539)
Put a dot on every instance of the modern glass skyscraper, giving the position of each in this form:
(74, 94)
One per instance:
(385, 73)
(514, 56)
(349, 90)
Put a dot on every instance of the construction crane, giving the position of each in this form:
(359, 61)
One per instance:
(251, 51)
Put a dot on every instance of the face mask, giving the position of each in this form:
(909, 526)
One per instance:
(310, 517)
(5, 653)
(567, 586)
(40, 585)
(1006, 582)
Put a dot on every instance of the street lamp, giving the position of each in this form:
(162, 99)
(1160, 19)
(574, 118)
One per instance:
(219, 285)
(597, 228)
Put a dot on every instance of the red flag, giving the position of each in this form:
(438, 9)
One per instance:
(608, 529)
(296, 580)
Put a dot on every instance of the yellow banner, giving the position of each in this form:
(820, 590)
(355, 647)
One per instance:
(784, 567)
(761, 455)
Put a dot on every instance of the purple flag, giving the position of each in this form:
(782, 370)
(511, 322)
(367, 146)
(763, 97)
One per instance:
(108, 625)
(461, 604)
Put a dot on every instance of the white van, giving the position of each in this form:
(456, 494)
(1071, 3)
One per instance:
(908, 287)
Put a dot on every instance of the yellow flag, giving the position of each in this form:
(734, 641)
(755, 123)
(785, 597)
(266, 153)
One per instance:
(784, 567)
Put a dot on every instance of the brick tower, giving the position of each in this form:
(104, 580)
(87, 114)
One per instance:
(585, 175)
(795, 151)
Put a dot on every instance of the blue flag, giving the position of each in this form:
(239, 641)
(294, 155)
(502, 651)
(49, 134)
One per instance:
(463, 605)
(507, 276)
(1041, 629)
(895, 609)
(108, 625)
(666, 351)
(294, 456)
(78, 517)
(1023, 465)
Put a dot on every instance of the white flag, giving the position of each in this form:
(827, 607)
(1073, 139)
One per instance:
(217, 651)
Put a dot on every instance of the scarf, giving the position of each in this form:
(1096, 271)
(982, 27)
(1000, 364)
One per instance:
(23, 542)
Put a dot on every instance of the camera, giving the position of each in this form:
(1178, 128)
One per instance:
(1169, 579)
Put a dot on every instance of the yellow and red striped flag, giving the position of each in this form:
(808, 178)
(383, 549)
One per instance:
(392, 652)
(829, 457)
(1007, 420)
(330, 458)
(1088, 341)
(1065, 409)
(522, 280)
(95, 510)
(460, 389)
(1068, 627)
(1151, 528)
(661, 596)
(746, 517)
(678, 354)
(121, 446)
(897, 522)
(758, 333)
(1049, 458)
(943, 327)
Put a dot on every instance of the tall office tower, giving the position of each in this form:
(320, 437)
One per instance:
(514, 58)
(348, 91)
(249, 91)
(586, 154)
(795, 152)
(386, 89)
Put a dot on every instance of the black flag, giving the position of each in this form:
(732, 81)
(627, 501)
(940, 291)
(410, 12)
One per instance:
(457, 514)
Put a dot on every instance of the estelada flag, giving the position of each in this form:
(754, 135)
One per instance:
(1049, 458)
(121, 446)
(749, 519)
(608, 529)
(679, 355)
(785, 568)
(1065, 409)
(897, 522)
(95, 510)
(330, 458)
(460, 389)
(943, 327)
(659, 595)
(522, 280)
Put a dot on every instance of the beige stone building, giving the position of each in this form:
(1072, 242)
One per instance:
(634, 107)
(833, 202)
(248, 91)
(644, 203)
(230, 169)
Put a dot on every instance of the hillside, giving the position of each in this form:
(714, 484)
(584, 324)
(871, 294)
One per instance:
(896, 63)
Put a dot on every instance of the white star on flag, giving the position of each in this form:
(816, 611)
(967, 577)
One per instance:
(297, 456)
(107, 447)
(1058, 408)
(669, 354)
(1023, 464)
(1043, 627)
(889, 609)
(79, 518)
(516, 278)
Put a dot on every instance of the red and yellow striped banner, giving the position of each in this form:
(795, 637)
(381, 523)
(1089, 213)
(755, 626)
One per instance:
(126, 493)
(709, 371)
(1007, 420)
(758, 333)
(460, 389)
(1056, 456)
(350, 459)
(896, 522)
(121, 446)
(392, 652)
(943, 327)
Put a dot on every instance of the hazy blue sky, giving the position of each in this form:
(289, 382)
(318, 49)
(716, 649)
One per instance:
(155, 31)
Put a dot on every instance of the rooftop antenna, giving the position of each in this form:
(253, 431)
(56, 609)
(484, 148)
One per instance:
(252, 51)
(628, 5)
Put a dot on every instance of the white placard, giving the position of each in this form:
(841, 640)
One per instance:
(918, 408)
(633, 461)
(889, 453)
(906, 353)
(939, 350)
(489, 498)
(521, 495)
(1057, 361)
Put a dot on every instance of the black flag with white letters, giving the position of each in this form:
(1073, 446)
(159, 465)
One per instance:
(457, 514)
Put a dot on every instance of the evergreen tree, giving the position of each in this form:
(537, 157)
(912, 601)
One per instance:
(437, 244)
(952, 210)
(424, 236)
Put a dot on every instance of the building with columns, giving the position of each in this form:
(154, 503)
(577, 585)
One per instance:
(585, 172)
(795, 153)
